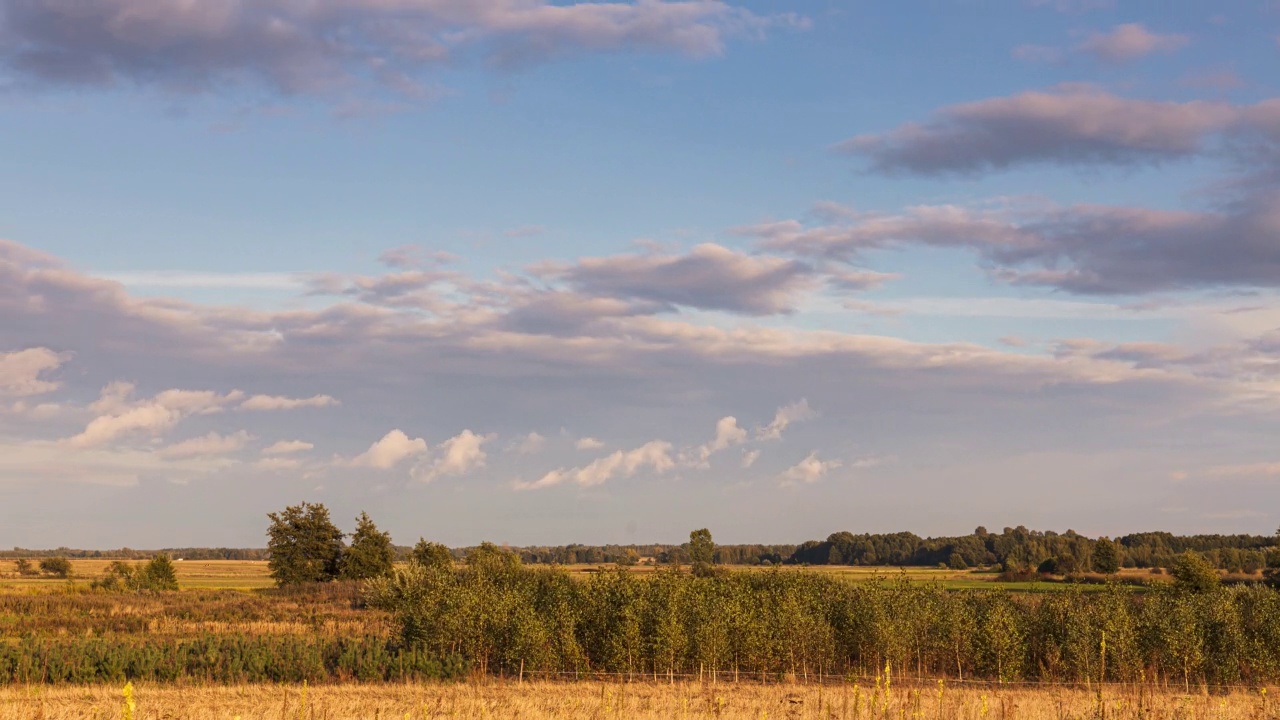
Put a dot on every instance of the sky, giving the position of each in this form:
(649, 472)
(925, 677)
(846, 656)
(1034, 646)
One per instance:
(542, 272)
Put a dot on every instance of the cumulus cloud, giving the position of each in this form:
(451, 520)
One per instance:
(276, 402)
(1131, 41)
(394, 448)
(749, 458)
(807, 471)
(459, 455)
(287, 447)
(22, 373)
(121, 416)
(728, 434)
(1068, 125)
(784, 418)
(330, 46)
(210, 445)
(654, 455)
(588, 443)
(708, 277)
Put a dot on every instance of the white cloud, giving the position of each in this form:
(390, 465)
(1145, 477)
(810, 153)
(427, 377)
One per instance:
(459, 455)
(210, 445)
(728, 434)
(589, 443)
(808, 470)
(1131, 41)
(276, 402)
(287, 447)
(749, 458)
(655, 455)
(784, 418)
(394, 448)
(21, 371)
(121, 417)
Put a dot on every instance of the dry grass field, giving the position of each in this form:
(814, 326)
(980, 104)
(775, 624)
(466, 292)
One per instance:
(642, 701)
(253, 575)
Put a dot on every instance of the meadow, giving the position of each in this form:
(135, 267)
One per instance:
(640, 701)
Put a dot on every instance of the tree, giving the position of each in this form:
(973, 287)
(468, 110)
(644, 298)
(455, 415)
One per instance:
(24, 567)
(159, 574)
(1106, 559)
(702, 551)
(1192, 573)
(432, 555)
(56, 566)
(305, 545)
(370, 555)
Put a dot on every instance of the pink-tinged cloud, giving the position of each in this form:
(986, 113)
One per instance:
(1131, 41)
(24, 373)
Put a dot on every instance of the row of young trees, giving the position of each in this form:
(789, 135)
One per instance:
(504, 617)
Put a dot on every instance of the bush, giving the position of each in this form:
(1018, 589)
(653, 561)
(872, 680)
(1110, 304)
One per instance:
(56, 566)
(1192, 573)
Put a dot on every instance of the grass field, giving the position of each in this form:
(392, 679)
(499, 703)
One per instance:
(252, 575)
(645, 701)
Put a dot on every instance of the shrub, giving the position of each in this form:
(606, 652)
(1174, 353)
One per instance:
(56, 566)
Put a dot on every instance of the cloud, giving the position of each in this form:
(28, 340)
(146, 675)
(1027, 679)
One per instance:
(394, 448)
(655, 455)
(122, 417)
(1084, 249)
(749, 458)
(1068, 125)
(287, 447)
(784, 418)
(588, 443)
(531, 444)
(210, 445)
(459, 455)
(808, 471)
(21, 372)
(728, 434)
(275, 402)
(329, 47)
(708, 277)
(1131, 41)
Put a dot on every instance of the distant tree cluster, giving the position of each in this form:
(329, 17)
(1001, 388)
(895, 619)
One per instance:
(306, 547)
(156, 574)
(1018, 548)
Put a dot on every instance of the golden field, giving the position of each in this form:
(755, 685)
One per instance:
(548, 701)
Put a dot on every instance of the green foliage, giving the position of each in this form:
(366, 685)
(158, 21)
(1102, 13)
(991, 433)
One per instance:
(370, 554)
(1192, 573)
(56, 566)
(702, 551)
(158, 574)
(499, 615)
(305, 545)
(1106, 559)
(429, 554)
(23, 566)
(1048, 567)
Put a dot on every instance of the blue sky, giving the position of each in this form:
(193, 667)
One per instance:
(961, 257)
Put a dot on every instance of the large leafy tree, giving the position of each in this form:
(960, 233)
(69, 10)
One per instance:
(1106, 559)
(305, 545)
(702, 551)
(371, 554)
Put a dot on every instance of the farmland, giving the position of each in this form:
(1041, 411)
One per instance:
(642, 700)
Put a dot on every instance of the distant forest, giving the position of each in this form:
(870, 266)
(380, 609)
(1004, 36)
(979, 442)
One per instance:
(1012, 549)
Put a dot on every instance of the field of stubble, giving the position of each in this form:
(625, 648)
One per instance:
(547, 701)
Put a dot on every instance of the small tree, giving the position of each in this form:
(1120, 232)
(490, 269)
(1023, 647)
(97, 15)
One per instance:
(702, 551)
(371, 554)
(432, 555)
(56, 566)
(305, 545)
(159, 574)
(1192, 573)
(1106, 559)
(24, 567)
